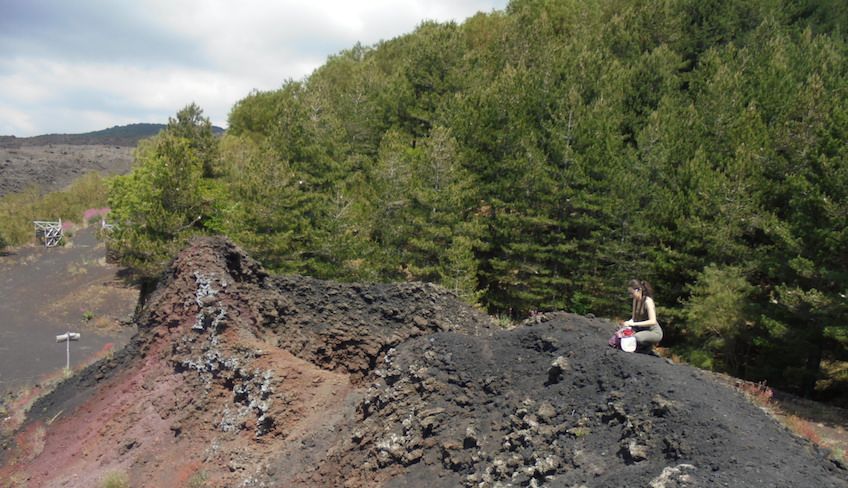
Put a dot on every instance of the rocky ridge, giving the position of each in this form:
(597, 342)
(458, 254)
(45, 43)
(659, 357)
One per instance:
(239, 378)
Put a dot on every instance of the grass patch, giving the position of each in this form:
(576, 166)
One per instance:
(19, 210)
(75, 269)
(198, 480)
(807, 419)
(116, 480)
(579, 432)
(505, 322)
(758, 393)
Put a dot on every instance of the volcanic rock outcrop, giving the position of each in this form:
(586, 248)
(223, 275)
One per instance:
(238, 378)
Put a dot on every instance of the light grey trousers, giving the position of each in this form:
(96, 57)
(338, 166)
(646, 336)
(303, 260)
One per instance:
(648, 337)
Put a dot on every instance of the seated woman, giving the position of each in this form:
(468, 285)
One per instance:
(644, 317)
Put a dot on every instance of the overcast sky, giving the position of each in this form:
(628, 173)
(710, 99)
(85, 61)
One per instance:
(72, 66)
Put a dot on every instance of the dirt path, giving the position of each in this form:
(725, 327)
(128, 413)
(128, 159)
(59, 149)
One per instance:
(46, 292)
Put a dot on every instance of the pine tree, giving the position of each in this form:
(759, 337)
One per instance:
(166, 198)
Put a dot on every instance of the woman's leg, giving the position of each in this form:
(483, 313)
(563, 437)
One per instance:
(647, 339)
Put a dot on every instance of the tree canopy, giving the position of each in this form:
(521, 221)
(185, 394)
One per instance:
(537, 158)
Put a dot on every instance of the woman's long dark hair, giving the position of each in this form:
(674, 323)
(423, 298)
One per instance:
(647, 291)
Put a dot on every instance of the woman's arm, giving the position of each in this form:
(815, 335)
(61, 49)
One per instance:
(652, 315)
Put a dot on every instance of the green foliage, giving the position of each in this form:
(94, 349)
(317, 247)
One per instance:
(700, 358)
(719, 313)
(275, 215)
(116, 480)
(191, 125)
(168, 197)
(423, 210)
(198, 480)
(16, 216)
(19, 210)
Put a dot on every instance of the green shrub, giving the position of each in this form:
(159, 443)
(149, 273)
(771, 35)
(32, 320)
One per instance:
(198, 480)
(701, 359)
(116, 479)
(19, 210)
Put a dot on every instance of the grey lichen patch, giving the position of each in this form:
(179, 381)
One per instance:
(212, 314)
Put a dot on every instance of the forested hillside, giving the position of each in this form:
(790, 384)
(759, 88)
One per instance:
(125, 135)
(537, 158)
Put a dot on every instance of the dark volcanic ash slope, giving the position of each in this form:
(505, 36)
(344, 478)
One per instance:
(549, 404)
(237, 378)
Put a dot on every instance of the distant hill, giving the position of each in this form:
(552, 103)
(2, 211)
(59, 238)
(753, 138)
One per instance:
(123, 135)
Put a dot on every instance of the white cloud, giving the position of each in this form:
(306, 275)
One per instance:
(171, 53)
(13, 121)
(124, 91)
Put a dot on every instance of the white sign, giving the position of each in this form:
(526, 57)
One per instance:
(67, 338)
(74, 336)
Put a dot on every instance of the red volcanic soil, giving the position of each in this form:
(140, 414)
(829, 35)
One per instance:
(238, 378)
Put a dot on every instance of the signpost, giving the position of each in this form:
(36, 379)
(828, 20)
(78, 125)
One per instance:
(67, 338)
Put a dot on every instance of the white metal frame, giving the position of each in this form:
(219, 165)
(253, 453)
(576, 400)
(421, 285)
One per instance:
(50, 233)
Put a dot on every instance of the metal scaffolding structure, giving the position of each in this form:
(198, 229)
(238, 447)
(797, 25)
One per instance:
(49, 233)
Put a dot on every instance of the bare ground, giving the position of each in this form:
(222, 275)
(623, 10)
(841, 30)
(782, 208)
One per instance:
(237, 378)
(54, 166)
(46, 292)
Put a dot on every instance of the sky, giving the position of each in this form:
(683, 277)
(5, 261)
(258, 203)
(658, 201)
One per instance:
(74, 66)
